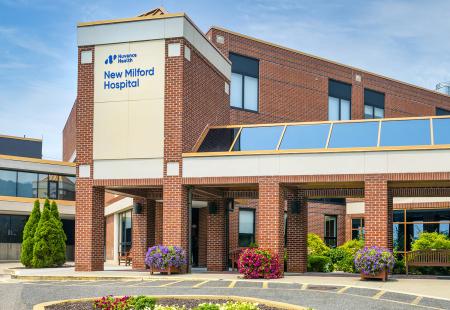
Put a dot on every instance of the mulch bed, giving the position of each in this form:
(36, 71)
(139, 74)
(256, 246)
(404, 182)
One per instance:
(189, 303)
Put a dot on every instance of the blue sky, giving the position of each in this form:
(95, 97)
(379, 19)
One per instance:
(403, 39)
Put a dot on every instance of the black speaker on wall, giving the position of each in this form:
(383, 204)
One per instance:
(137, 208)
(295, 207)
(212, 207)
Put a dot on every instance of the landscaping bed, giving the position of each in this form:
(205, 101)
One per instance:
(188, 303)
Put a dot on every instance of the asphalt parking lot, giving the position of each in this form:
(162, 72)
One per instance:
(20, 294)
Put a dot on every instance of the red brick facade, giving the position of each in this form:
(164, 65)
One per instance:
(292, 87)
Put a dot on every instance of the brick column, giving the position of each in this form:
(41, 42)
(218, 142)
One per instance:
(89, 226)
(175, 214)
(270, 217)
(297, 231)
(141, 231)
(378, 211)
(216, 252)
(158, 223)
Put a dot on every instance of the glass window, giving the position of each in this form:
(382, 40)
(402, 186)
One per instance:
(250, 93)
(125, 231)
(358, 228)
(364, 134)
(43, 186)
(333, 109)
(441, 128)
(11, 228)
(440, 112)
(8, 181)
(305, 137)
(330, 236)
(399, 237)
(258, 138)
(246, 227)
(66, 188)
(403, 133)
(218, 140)
(373, 104)
(399, 215)
(27, 184)
(339, 100)
(429, 215)
(53, 189)
(69, 229)
(244, 82)
(236, 90)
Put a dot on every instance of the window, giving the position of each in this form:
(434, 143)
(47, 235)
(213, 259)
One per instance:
(358, 228)
(305, 137)
(339, 100)
(246, 227)
(66, 188)
(441, 112)
(11, 228)
(403, 133)
(373, 104)
(345, 135)
(330, 236)
(125, 231)
(8, 181)
(218, 140)
(258, 138)
(27, 184)
(43, 185)
(244, 82)
(408, 224)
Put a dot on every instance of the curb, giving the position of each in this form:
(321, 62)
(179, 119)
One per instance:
(270, 303)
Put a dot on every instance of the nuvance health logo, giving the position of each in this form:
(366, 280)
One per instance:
(120, 58)
(110, 59)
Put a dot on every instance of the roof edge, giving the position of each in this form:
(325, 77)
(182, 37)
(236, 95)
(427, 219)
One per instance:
(128, 19)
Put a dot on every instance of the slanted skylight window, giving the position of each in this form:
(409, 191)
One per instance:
(305, 137)
(258, 138)
(441, 128)
(405, 132)
(347, 135)
(218, 140)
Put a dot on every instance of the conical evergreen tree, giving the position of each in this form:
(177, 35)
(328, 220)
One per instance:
(60, 247)
(46, 240)
(26, 256)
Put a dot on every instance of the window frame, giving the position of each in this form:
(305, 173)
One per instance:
(325, 237)
(333, 94)
(243, 75)
(360, 229)
(340, 109)
(373, 103)
(254, 226)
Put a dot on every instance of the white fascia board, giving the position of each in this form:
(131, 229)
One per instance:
(154, 29)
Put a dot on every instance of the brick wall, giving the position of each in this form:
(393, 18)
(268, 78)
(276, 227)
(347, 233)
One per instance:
(69, 134)
(216, 257)
(294, 86)
(316, 218)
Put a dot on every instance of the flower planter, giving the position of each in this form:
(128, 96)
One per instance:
(382, 275)
(170, 270)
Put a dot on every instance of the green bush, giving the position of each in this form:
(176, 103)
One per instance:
(26, 255)
(142, 303)
(316, 246)
(399, 266)
(47, 250)
(230, 305)
(60, 246)
(428, 241)
(319, 263)
(343, 256)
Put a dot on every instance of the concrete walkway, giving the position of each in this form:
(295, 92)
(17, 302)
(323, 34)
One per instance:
(426, 287)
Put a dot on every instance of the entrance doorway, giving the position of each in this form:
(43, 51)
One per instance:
(195, 237)
(125, 231)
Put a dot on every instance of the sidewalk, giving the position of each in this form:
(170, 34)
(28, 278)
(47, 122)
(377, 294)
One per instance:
(426, 287)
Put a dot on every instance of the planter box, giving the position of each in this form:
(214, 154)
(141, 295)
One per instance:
(383, 276)
(168, 271)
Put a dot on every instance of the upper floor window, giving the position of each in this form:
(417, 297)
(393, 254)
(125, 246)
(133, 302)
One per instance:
(373, 104)
(440, 112)
(244, 82)
(339, 100)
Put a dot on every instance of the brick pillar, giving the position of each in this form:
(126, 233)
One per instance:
(158, 223)
(151, 227)
(216, 252)
(203, 237)
(378, 211)
(175, 214)
(89, 226)
(297, 232)
(141, 231)
(270, 217)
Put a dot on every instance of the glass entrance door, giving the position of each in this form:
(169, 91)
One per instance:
(125, 231)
